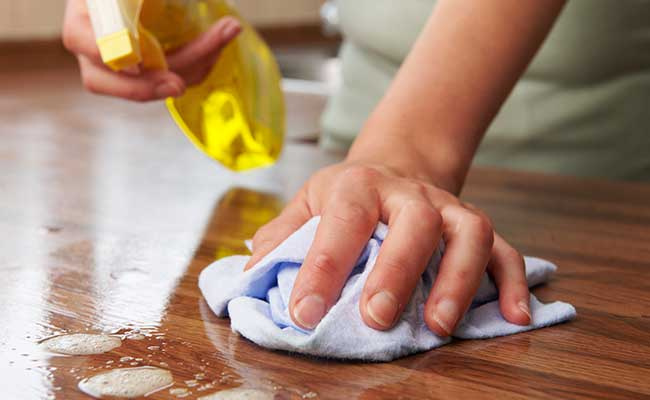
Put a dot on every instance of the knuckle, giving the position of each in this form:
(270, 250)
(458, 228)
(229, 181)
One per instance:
(360, 174)
(396, 266)
(512, 267)
(95, 54)
(513, 257)
(469, 206)
(425, 214)
(465, 275)
(89, 83)
(261, 235)
(71, 34)
(354, 215)
(137, 94)
(481, 227)
(323, 266)
(421, 188)
(68, 39)
(446, 197)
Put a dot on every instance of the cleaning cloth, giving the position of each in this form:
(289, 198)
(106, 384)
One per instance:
(257, 303)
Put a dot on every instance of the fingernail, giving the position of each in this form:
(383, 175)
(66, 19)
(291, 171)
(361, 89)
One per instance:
(523, 306)
(168, 89)
(309, 311)
(382, 308)
(446, 315)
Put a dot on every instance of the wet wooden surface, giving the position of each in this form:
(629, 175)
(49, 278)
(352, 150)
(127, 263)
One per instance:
(107, 216)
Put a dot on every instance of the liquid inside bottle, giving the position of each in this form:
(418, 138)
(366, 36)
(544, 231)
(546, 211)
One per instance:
(236, 115)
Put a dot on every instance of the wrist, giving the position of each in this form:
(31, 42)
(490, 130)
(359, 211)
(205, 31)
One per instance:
(403, 156)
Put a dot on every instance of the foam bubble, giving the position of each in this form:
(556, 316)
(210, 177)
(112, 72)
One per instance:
(81, 344)
(127, 382)
(239, 394)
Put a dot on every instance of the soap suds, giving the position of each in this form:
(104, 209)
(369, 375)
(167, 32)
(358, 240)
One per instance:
(127, 382)
(179, 392)
(79, 344)
(239, 394)
(135, 336)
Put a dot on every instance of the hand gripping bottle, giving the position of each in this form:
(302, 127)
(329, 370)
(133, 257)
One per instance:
(236, 115)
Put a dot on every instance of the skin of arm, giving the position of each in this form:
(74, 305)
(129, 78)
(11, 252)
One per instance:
(406, 168)
(448, 90)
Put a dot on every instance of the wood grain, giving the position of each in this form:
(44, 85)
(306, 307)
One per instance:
(107, 216)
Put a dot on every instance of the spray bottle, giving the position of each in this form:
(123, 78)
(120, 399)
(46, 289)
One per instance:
(236, 115)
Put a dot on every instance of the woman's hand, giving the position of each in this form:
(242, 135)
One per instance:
(352, 197)
(413, 152)
(188, 65)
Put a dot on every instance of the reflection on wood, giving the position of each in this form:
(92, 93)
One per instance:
(236, 218)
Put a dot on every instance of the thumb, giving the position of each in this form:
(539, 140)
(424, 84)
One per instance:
(276, 231)
(208, 44)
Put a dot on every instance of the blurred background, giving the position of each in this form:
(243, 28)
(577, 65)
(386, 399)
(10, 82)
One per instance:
(303, 33)
(38, 19)
(35, 67)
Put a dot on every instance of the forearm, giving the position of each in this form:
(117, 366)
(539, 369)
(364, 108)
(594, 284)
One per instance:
(458, 74)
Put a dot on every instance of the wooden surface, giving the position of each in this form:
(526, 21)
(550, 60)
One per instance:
(107, 216)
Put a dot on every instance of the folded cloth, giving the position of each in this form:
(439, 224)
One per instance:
(257, 303)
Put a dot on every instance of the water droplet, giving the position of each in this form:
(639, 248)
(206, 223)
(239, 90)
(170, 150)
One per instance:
(129, 275)
(205, 387)
(51, 229)
(126, 359)
(153, 348)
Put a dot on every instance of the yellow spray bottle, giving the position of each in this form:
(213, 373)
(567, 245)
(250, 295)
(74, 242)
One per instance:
(236, 115)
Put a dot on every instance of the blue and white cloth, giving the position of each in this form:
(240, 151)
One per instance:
(257, 303)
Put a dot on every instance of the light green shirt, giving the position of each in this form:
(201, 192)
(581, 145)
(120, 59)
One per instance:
(581, 108)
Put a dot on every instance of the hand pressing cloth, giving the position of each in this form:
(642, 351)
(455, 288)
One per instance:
(257, 303)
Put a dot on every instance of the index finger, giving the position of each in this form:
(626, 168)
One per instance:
(348, 220)
(78, 34)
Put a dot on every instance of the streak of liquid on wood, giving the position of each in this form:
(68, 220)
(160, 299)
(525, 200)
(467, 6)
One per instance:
(107, 216)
